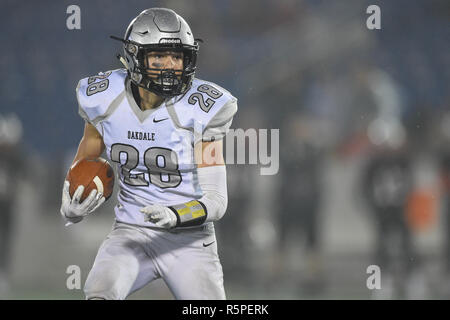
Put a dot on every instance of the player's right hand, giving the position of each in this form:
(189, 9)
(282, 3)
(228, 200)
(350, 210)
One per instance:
(71, 208)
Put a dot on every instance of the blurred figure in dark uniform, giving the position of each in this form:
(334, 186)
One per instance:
(444, 172)
(387, 185)
(10, 172)
(442, 151)
(233, 231)
(300, 194)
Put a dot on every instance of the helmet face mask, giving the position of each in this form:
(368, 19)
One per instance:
(163, 82)
(160, 30)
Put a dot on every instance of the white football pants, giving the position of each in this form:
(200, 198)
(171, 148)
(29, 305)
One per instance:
(132, 256)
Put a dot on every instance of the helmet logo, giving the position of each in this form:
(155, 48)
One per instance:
(170, 40)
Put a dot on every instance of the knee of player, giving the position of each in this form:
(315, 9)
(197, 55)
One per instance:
(96, 291)
(102, 284)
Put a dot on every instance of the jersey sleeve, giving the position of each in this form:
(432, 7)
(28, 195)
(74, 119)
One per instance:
(212, 121)
(83, 103)
(219, 125)
(97, 95)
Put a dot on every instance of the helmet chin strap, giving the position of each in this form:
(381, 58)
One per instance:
(122, 60)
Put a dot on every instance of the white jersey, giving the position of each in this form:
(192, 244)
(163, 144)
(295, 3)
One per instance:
(153, 149)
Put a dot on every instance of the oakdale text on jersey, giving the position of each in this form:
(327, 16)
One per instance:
(137, 135)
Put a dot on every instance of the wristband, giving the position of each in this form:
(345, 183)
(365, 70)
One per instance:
(192, 213)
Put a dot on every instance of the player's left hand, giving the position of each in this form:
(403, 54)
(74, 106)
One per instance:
(161, 216)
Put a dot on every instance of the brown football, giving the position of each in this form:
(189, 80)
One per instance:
(92, 173)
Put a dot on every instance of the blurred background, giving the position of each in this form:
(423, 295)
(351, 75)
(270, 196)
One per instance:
(364, 120)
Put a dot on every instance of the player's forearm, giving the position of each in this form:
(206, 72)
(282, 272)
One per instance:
(213, 181)
(212, 205)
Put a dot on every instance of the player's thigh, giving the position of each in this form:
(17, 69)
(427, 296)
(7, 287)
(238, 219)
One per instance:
(197, 273)
(118, 265)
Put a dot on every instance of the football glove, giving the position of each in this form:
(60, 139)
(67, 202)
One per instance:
(161, 216)
(71, 208)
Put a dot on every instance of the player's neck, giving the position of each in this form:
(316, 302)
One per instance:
(149, 100)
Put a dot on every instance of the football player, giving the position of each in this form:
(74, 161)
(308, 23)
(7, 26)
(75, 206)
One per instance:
(163, 128)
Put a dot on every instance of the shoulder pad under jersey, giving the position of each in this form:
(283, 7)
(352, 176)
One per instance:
(97, 94)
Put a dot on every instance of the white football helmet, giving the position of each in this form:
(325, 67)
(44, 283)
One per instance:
(159, 29)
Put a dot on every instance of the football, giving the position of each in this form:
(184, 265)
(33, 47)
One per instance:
(92, 173)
